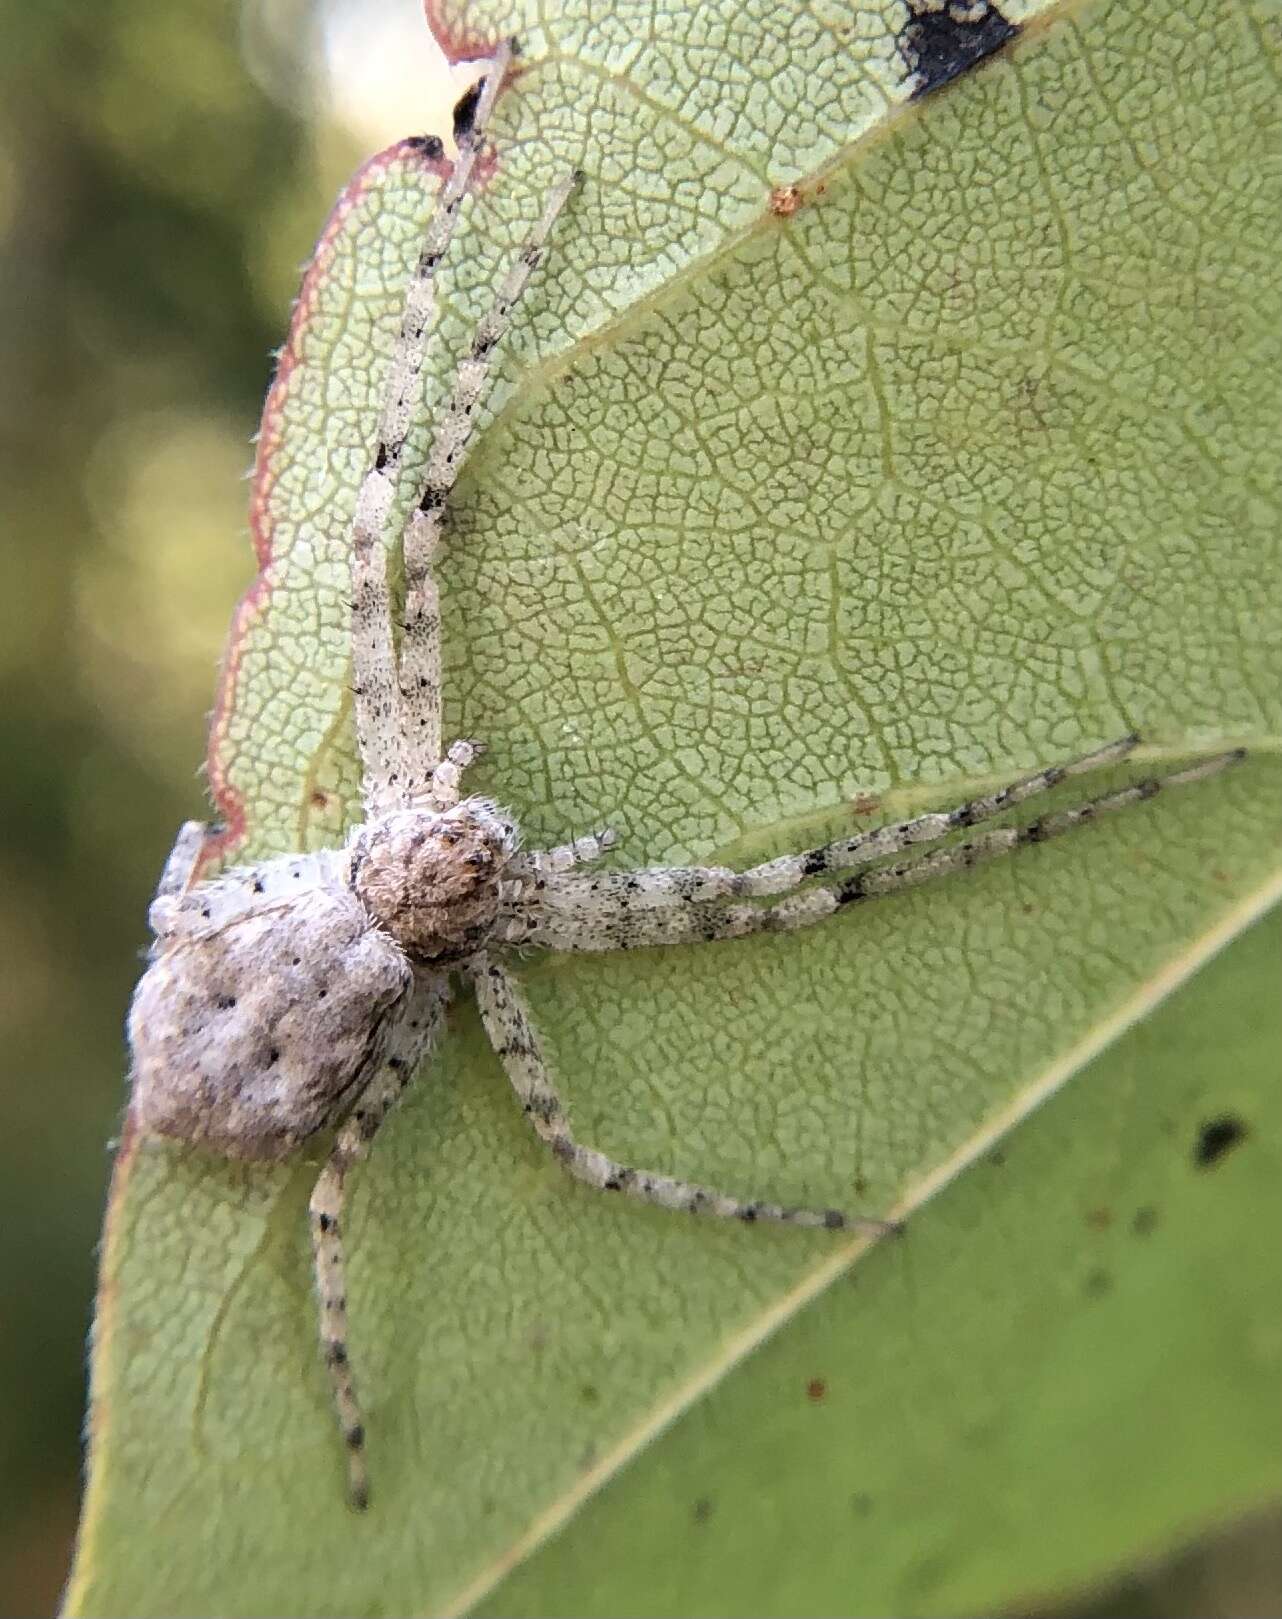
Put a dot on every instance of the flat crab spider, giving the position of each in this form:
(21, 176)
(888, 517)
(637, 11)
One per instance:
(301, 995)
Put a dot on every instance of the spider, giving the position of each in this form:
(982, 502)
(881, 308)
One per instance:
(300, 996)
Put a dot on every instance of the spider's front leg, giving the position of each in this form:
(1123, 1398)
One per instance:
(629, 910)
(413, 1037)
(511, 1033)
(182, 861)
(420, 667)
(391, 757)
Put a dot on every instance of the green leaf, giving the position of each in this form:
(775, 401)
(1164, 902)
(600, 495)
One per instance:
(964, 464)
(1076, 1369)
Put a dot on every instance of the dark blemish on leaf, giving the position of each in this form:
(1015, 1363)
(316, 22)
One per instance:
(702, 1510)
(1215, 1138)
(465, 109)
(1099, 1219)
(429, 145)
(997, 1160)
(816, 1388)
(589, 1395)
(1097, 1284)
(861, 1504)
(320, 799)
(943, 39)
(1145, 1220)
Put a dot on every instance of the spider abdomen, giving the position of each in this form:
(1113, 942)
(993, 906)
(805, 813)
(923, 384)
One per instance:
(431, 878)
(252, 1033)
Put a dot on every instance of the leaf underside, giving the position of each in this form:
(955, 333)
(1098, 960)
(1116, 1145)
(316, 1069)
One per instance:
(964, 464)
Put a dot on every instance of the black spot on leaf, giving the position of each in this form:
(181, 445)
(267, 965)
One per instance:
(465, 109)
(943, 39)
(1097, 1284)
(1215, 1138)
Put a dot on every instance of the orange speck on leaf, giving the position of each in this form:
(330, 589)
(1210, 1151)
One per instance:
(785, 200)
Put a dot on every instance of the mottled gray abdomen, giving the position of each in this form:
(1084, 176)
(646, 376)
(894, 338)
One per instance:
(251, 1033)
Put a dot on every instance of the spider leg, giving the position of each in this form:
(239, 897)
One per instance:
(376, 689)
(536, 863)
(177, 876)
(411, 1039)
(443, 782)
(507, 1022)
(420, 671)
(183, 859)
(611, 920)
(660, 886)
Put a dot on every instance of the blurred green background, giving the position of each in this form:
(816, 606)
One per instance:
(163, 172)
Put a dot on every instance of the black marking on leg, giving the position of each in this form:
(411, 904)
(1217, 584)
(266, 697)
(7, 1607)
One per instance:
(851, 891)
(834, 1220)
(939, 43)
(355, 1437)
(335, 1354)
(814, 863)
(545, 1108)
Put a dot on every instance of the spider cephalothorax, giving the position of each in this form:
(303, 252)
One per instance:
(431, 878)
(302, 994)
